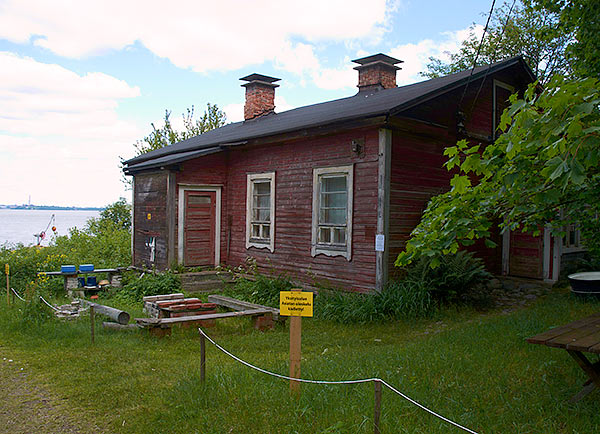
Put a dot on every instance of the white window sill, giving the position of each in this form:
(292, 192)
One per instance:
(260, 246)
(329, 251)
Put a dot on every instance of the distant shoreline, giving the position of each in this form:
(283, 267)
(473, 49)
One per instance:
(51, 207)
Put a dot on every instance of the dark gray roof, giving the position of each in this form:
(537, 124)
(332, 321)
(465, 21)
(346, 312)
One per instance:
(378, 58)
(360, 106)
(260, 77)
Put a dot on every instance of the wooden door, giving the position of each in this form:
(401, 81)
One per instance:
(199, 228)
(526, 255)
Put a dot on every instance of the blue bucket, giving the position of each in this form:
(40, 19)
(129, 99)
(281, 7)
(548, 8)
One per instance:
(81, 281)
(91, 281)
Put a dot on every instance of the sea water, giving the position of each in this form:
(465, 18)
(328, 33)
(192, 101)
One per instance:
(20, 225)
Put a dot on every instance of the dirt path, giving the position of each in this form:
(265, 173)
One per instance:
(26, 408)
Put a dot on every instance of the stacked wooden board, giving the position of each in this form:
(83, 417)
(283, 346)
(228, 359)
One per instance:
(171, 309)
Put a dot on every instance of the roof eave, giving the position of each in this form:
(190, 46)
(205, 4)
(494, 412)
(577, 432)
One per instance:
(454, 85)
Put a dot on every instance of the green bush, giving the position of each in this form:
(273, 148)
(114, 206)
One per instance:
(263, 290)
(456, 278)
(137, 287)
(398, 300)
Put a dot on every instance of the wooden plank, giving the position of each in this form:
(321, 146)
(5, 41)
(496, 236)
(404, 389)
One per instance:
(576, 335)
(542, 338)
(154, 298)
(168, 321)
(594, 349)
(167, 303)
(235, 304)
(383, 207)
(171, 217)
(557, 331)
(586, 342)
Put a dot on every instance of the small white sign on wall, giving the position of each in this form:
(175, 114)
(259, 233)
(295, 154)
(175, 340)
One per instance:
(379, 243)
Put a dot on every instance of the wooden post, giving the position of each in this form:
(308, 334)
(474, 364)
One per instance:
(202, 358)
(295, 351)
(92, 321)
(377, 409)
(7, 271)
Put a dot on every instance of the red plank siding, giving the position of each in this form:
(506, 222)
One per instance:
(293, 163)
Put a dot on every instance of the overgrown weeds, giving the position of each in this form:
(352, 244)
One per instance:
(261, 289)
(399, 299)
(135, 286)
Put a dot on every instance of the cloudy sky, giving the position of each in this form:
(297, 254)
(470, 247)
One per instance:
(81, 81)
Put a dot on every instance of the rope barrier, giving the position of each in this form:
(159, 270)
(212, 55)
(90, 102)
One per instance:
(365, 380)
(17, 294)
(48, 304)
(42, 298)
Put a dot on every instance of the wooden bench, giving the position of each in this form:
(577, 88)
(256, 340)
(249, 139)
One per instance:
(577, 337)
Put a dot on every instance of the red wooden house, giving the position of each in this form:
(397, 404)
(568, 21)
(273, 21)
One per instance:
(327, 192)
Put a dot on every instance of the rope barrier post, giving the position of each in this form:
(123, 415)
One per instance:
(377, 407)
(202, 358)
(295, 351)
(7, 271)
(92, 322)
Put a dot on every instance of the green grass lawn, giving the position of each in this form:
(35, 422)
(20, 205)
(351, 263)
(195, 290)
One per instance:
(474, 368)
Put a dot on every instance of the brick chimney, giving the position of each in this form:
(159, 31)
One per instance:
(376, 72)
(260, 95)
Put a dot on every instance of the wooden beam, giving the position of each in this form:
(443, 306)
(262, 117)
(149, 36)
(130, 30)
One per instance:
(235, 304)
(182, 319)
(171, 218)
(383, 206)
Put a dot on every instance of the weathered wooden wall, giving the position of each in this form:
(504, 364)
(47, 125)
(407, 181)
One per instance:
(417, 171)
(150, 198)
(293, 163)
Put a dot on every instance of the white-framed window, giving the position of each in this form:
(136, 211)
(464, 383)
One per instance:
(332, 211)
(500, 94)
(260, 211)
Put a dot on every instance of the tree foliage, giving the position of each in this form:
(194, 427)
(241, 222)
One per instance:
(117, 214)
(580, 18)
(543, 169)
(527, 29)
(167, 135)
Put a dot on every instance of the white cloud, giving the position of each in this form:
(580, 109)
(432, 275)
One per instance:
(416, 56)
(201, 35)
(60, 133)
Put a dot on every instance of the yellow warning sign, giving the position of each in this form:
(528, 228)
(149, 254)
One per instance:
(295, 303)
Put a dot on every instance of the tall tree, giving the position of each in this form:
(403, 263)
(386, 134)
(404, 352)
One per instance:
(580, 18)
(515, 29)
(167, 135)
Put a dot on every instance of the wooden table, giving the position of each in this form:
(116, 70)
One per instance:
(578, 337)
(71, 284)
